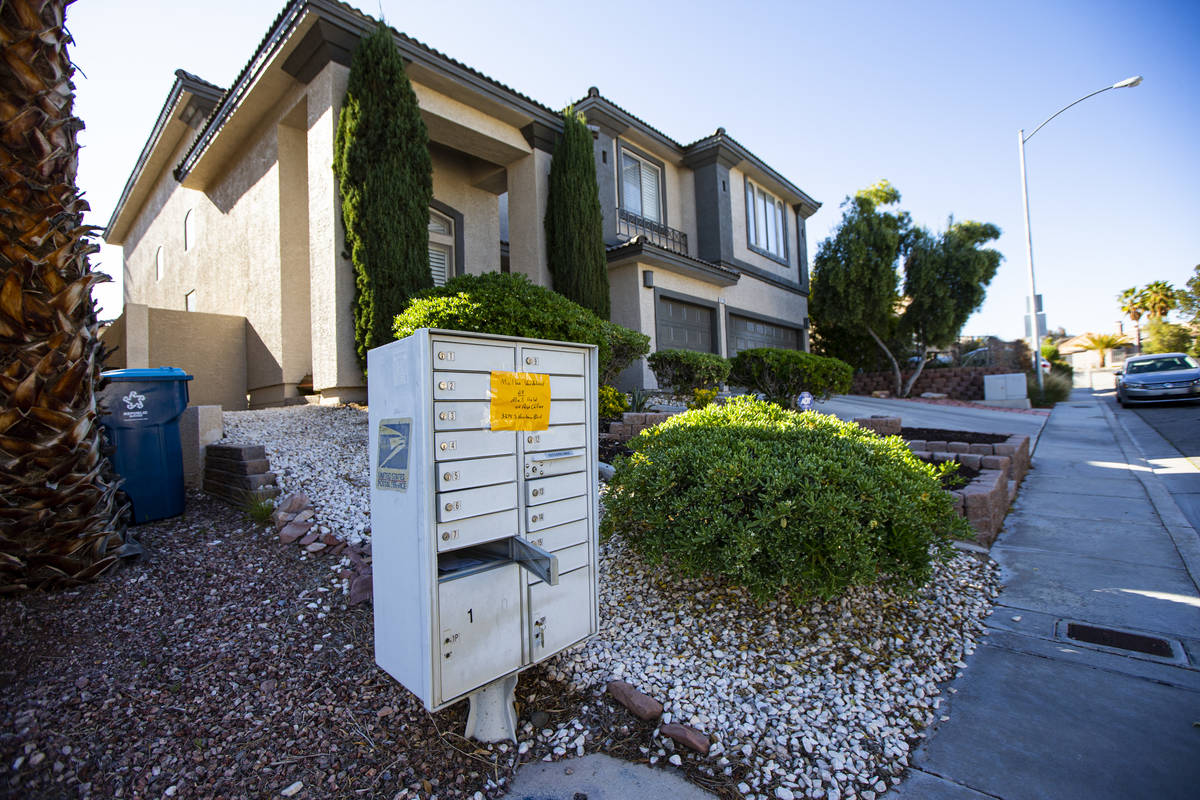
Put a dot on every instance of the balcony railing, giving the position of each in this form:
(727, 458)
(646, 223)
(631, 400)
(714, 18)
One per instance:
(630, 224)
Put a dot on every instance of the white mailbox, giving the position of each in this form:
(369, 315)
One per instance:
(483, 508)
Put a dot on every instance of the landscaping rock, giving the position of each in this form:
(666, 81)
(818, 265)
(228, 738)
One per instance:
(687, 736)
(293, 532)
(641, 705)
(360, 590)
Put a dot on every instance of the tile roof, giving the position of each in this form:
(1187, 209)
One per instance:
(285, 20)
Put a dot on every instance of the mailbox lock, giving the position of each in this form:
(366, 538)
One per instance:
(450, 476)
(537, 492)
(532, 439)
(531, 360)
(448, 535)
(534, 518)
(446, 415)
(457, 504)
(446, 385)
(451, 445)
(445, 355)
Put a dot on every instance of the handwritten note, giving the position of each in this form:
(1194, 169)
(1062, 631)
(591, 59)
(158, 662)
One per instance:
(520, 401)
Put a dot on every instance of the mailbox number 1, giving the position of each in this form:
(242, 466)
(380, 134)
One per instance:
(471, 615)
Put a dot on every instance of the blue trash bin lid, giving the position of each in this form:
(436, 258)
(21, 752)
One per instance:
(155, 374)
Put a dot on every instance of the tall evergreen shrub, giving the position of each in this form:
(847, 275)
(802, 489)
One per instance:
(385, 178)
(574, 224)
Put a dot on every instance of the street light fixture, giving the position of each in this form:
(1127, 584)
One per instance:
(1034, 328)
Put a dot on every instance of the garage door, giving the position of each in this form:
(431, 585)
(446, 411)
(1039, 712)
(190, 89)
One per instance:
(745, 333)
(684, 326)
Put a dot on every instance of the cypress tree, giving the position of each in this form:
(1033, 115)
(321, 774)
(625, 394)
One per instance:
(385, 179)
(574, 224)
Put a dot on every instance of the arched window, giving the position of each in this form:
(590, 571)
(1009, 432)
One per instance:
(441, 248)
(189, 230)
(160, 263)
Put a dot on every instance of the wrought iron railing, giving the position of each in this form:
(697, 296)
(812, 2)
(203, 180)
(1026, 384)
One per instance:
(630, 224)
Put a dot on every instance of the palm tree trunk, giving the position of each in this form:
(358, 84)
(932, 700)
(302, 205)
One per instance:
(60, 518)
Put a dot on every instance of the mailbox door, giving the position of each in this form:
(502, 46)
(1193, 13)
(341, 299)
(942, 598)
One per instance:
(481, 628)
(559, 615)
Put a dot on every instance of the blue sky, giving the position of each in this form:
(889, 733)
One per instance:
(834, 95)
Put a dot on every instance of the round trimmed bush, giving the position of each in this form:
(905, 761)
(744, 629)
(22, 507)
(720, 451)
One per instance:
(510, 305)
(776, 500)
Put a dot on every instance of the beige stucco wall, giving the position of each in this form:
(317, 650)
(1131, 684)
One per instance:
(528, 187)
(210, 347)
(241, 253)
(741, 249)
(452, 176)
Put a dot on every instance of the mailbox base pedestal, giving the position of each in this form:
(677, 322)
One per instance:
(492, 716)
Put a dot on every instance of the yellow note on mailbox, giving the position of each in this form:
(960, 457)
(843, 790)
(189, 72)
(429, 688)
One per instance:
(520, 401)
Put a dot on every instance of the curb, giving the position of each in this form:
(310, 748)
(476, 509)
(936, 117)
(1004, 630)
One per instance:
(1183, 535)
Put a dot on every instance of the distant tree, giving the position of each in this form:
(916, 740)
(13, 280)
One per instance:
(1133, 305)
(574, 222)
(945, 281)
(855, 282)
(385, 178)
(1160, 299)
(1167, 337)
(855, 285)
(1103, 343)
(1189, 297)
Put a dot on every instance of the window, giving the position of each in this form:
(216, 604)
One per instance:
(441, 248)
(160, 264)
(766, 222)
(189, 231)
(189, 301)
(640, 181)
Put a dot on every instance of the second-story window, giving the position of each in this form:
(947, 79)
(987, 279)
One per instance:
(441, 248)
(766, 221)
(639, 187)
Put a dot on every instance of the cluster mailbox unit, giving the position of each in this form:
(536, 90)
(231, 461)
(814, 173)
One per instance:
(483, 512)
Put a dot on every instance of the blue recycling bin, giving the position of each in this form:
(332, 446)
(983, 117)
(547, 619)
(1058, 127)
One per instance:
(141, 416)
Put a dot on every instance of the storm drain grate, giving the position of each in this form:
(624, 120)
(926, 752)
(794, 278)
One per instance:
(1123, 640)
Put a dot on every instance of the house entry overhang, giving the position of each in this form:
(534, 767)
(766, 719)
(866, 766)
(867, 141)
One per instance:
(639, 251)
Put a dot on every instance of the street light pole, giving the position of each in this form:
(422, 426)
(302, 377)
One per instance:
(1034, 328)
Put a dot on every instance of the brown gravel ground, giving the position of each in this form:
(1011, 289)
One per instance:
(223, 664)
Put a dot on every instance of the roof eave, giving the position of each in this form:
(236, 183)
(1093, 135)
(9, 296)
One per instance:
(638, 250)
(190, 97)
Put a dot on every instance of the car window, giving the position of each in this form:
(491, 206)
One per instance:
(1159, 365)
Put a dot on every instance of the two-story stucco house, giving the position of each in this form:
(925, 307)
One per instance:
(231, 229)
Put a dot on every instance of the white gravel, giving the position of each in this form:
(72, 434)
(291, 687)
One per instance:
(318, 450)
(822, 700)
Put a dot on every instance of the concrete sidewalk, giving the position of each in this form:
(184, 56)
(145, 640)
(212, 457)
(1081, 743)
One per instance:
(1094, 538)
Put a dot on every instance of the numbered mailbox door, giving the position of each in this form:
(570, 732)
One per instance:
(481, 628)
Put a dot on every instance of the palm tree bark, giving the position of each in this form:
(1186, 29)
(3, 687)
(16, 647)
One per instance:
(61, 521)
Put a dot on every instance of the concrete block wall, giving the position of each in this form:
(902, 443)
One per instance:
(959, 383)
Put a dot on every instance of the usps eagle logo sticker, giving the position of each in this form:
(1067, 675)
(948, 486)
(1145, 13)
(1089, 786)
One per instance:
(391, 471)
(134, 400)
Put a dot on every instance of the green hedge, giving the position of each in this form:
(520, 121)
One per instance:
(510, 305)
(775, 500)
(682, 371)
(781, 375)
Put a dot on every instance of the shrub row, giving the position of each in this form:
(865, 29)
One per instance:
(509, 304)
(779, 375)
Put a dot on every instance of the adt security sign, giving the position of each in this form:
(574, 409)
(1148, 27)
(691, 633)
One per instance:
(806, 401)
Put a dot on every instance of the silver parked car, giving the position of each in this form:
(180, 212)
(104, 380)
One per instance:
(1159, 377)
